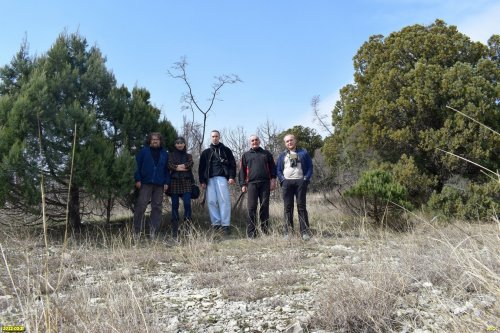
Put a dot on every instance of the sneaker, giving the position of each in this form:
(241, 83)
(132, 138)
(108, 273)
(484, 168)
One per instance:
(286, 237)
(306, 237)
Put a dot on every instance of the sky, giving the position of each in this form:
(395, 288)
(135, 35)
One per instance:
(284, 51)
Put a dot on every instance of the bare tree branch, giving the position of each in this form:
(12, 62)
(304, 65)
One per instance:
(319, 118)
(191, 103)
(268, 133)
(237, 140)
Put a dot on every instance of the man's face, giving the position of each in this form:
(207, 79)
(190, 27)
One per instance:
(215, 138)
(254, 142)
(290, 142)
(155, 141)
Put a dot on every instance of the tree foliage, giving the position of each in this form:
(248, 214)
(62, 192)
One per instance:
(62, 100)
(470, 202)
(398, 106)
(306, 137)
(380, 194)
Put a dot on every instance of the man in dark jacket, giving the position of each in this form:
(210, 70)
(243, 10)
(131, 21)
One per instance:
(217, 170)
(257, 178)
(152, 179)
(295, 169)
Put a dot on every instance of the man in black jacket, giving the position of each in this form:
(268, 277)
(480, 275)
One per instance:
(217, 170)
(257, 178)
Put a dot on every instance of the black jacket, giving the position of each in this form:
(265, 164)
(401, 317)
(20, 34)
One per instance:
(256, 165)
(221, 152)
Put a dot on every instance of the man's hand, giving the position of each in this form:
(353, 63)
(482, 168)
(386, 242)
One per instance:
(243, 189)
(231, 181)
(138, 185)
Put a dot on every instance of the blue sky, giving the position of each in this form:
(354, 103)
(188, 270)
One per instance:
(285, 52)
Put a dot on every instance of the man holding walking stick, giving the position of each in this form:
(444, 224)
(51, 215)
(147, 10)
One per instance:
(257, 178)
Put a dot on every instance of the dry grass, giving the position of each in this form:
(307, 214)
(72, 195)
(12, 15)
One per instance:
(359, 280)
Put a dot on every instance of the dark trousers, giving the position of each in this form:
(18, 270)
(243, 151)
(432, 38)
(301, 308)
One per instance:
(186, 199)
(295, 188)
(146, 193)
(258, 192)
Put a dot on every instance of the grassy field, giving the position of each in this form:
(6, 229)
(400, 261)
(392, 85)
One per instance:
(438, 277)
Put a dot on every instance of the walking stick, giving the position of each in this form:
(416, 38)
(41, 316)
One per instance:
(238, 200)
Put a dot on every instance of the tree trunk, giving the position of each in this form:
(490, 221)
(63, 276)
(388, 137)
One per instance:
(74, 207)
(109, 207)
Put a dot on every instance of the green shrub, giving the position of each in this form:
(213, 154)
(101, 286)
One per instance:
(471, 202)
(381, 195)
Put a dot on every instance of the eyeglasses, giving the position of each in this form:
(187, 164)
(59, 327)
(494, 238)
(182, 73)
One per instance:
(179, 142)
(254, 140)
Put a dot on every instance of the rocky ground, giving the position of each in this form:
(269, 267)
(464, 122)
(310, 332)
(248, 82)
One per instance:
(328, 284)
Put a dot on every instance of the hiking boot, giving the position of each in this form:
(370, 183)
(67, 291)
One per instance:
(227, 230)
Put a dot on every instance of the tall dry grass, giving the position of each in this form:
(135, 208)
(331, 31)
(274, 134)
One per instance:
(361, 279)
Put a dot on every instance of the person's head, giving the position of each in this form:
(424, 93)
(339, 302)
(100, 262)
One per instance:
(290, 142)
(254, 141)
(180, 144)
(154, 140)
(215, 137)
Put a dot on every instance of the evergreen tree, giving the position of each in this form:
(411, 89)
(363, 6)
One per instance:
(399, 106)
(67, 99)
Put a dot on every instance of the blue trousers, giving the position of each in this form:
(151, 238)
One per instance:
(219, 201)
(186, 199)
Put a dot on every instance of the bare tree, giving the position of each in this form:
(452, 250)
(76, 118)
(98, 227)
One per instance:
(191, 131)
(268, 133)
(320, 119)
(191, 103)
(237, 140)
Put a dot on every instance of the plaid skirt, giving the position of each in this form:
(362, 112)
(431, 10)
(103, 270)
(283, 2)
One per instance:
(180, 186)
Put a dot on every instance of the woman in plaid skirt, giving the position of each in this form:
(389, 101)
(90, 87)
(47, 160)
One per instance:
(180, 164)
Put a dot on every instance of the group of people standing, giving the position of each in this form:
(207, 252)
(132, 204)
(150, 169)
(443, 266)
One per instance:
(160, 172)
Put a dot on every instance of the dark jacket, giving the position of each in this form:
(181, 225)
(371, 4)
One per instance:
(226, 158)
(147, 172)
(256, 165)
(305, 162)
